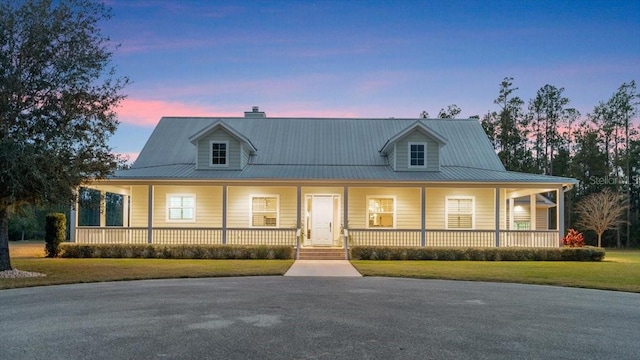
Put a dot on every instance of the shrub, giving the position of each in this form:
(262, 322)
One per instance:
(477, 254)
(54, 233)
(573, 239)
(176, 251)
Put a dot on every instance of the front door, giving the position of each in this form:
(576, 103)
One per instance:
(322, 220)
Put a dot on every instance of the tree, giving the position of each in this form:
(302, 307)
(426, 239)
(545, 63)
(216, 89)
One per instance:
(58, 95)
(549, 113)
(600, 212)
(452, 111)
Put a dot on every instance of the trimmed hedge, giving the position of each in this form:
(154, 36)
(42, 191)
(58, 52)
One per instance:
(54, 233)
(477, 254)
(176, 251)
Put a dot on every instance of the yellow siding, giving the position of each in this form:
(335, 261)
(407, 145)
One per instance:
(239, 202)
(139, 205)
(484, 206)
(208, 206)
(542, 218)
(407, 206)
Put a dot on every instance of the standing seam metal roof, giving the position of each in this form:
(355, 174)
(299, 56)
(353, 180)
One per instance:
(318, 141)
(324, 149)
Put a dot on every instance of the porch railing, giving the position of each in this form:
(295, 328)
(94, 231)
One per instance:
(356, 237)
(187, 236)
(111, 235)
(386, 237)
(461, 238)
(529, 238)
(261, 237)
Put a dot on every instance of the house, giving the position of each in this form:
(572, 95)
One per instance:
(326, 182)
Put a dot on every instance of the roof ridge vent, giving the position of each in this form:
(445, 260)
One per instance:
(255, 113)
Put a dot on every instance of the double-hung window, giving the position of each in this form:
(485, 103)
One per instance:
(264, 211)
(181, 207)
(219, 153)
(417, 155)
(460, 213)
(381, 211)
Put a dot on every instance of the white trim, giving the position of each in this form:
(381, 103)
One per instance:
(409, 144)
(167, 207)
(473, 210)
(251, 197)
(395, 210)
(210, 151)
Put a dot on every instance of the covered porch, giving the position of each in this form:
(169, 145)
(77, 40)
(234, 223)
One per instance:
(323, 215)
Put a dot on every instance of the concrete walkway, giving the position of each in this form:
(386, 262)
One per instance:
(322, 268)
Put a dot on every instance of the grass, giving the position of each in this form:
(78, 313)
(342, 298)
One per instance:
(29, 256)
(620, 271)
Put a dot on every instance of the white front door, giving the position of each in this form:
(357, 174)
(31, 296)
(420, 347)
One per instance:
(322, 220)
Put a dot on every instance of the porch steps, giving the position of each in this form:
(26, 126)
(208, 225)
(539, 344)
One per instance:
(321, 254)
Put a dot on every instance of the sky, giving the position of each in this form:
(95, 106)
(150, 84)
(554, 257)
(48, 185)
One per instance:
(361, 58)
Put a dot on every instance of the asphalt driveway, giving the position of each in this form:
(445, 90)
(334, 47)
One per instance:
(317, 318)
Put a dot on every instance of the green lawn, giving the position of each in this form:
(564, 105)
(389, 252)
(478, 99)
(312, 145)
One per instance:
(619, 271)
(29, 256)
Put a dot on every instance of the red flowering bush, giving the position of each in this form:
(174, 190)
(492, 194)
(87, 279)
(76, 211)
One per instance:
(573, 239)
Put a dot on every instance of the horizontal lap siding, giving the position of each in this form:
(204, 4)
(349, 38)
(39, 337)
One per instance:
(204, 151)
(239, 205)
(407, 206)
(208, 206)
(484, 207)
(139, 205)
(542, 219)
(402, 152)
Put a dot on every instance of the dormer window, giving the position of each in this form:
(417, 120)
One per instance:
(417, 155)
(219, 153)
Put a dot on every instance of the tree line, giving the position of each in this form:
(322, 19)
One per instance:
(601, 149)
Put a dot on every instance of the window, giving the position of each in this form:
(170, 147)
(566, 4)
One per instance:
(264, 211)
(381, 212)
(219, 153)
(459, 213)
(181, 207)
(417, 154)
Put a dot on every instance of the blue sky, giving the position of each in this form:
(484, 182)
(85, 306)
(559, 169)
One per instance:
(362, 58)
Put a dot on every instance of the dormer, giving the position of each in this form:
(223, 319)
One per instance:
(416, 148)
(221, 147)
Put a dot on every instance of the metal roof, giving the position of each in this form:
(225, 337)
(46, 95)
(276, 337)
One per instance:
(315, 141)
(324, 149)
(337, 173)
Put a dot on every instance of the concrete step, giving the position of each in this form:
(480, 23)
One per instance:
(321, 254)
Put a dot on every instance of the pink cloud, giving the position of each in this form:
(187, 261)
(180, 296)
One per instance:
(148, 112)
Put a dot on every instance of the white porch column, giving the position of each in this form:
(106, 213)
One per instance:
(532, 212)
(512, 204)
(345, 215)
(224, 214)
(298, 220)
(125, 211)
(103, 209)
(560, 214)
(497, 216)
(73, 220)
(150, 215)
(423, 221)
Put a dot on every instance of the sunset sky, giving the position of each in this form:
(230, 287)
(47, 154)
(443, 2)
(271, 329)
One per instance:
(361, 58)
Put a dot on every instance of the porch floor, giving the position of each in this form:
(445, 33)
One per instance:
(328, 268)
